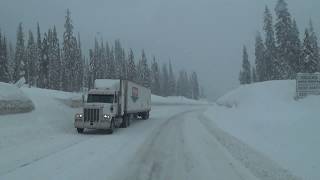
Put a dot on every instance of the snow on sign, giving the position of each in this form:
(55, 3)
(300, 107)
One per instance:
(308, 84)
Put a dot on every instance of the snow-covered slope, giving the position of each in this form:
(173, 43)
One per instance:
(13, 100)
(267, 117)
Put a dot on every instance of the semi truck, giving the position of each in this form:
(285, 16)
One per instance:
(113, 103)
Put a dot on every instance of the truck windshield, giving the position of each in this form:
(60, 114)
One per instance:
(100, 98)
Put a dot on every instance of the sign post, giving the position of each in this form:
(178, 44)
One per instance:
(307, 84)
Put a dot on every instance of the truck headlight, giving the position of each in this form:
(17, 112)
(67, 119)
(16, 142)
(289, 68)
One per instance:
(79, 116)
(106, 116)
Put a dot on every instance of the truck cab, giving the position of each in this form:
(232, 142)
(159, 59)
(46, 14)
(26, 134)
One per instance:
(111, 104)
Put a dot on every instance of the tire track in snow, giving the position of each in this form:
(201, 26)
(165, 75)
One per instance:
(259, 164)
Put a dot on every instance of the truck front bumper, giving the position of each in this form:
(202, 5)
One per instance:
(79, 123)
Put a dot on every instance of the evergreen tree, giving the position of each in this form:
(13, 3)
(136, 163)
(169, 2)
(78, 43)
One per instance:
(31, 52)
(54, 68)
(260, 59)
(296, 50)
(164, 81)
(44, 64)
(79, 66)
(155, 78)
(19, 69)
(195, 86)
(271, 61)
(118, 59)
(172, 81)
(11, 62)
(4, 62)
(132, 72)
(284, 40)
(309, 62)
(70, 57)
(245, 73)
(254, 75)
(144, 71)
(39, 54)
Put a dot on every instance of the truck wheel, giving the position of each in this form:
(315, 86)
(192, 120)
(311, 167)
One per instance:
(125, 121)
(80, 130)
(112, 127)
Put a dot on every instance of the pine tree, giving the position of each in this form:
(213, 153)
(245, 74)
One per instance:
(132, 72)
(296, 50)
(155, 78)
(245, 73)
(79, 65)
(144, 71)
(11, 62)
(164, 81)
(284, 39)
(254, 75)
(39, 54)
(260, 59)
(4, 62)
(31, 52)
(118, 59)
(172, 81)
(44, 64)
(309, 62)
(54, 73)
(271, 61)
(70, 57)
(195, 86)
(19, 69)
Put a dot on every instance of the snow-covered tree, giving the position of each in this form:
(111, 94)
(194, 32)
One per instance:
(155, 78)
(172, 81)
(271, 61)
(284, 30)
(44, 64)
(19, 68)
(132, 72)
(164, 81)
(144, 71)
(260, 59)
(31, 58)
(310, 57)
(70, 58)
(195, 86)
(254, 75)
(4, 61)
(245, 73)
(296, 50)
(54, 60)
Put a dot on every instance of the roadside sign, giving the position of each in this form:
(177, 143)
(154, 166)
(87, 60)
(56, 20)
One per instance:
(307, 84)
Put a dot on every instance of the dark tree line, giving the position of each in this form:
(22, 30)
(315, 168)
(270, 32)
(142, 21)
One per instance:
(45, 62)
(281, 54)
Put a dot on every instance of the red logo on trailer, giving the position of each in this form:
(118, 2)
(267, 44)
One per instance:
(135, 94)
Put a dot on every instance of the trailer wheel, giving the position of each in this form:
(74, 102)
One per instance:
(125, 122)
(80, 130)
(112, 127)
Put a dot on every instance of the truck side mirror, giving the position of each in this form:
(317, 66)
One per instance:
(83, 98)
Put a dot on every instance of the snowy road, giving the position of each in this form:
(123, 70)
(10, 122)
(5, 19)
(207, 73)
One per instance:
(177, 142)
(173, 144)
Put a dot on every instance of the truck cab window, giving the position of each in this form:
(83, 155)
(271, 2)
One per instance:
(98, 98)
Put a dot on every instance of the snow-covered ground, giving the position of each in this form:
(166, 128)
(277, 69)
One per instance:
(266, 117)
(177, 142)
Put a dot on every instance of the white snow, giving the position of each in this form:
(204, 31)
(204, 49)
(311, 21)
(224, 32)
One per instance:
(268, 118)
(175, 100)
(13, 100)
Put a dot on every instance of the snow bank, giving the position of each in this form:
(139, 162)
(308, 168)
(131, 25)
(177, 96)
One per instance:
(175, 100)
(266, 117)
(13, 100)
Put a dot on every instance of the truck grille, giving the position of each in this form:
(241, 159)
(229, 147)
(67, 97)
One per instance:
(91, 114)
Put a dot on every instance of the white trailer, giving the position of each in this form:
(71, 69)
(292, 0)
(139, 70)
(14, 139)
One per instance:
(112, 104)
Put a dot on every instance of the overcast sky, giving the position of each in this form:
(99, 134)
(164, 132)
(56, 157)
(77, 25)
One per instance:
(201, 35)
